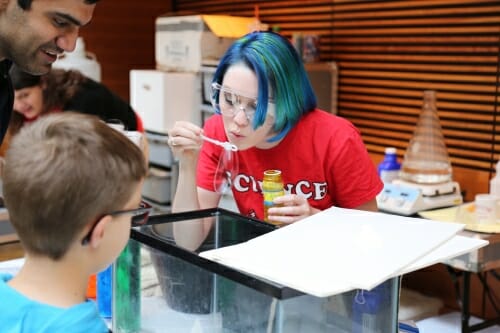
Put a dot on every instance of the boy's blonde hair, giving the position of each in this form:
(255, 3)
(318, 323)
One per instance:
(63, 172)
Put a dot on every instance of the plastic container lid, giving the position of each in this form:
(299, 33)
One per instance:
(390, 150)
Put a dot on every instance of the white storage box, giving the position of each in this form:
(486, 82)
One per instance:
(183, 42)
(207, 75)
(159, 151)
(162, 98)
(324, 80)
(157, 186)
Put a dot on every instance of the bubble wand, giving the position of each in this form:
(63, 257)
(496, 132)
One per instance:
(226, 145)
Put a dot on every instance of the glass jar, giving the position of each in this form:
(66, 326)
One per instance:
(426, 159)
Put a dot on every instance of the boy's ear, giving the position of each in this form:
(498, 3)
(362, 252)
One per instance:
(99, 229)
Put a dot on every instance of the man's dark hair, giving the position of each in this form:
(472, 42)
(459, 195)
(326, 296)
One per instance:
(26, 4)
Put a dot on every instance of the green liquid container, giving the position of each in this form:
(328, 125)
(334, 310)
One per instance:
(127, 290)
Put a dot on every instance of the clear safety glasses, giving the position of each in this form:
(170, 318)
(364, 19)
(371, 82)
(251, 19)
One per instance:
(228, 102)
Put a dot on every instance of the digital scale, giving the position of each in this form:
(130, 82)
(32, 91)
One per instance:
(407, 198)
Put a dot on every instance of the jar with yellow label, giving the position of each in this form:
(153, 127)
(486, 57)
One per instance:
(272, 187)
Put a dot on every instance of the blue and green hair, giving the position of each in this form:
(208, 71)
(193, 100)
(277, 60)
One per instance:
(280, 70)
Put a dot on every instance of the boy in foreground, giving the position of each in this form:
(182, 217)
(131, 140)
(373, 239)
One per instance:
(72, 186)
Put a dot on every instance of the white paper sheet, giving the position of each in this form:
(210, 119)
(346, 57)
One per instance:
(339, 250)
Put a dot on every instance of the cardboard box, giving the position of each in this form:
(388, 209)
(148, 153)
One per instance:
(182, 43)
(162, 98)
(324, 80)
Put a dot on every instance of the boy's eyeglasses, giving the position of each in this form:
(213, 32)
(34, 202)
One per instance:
(229, 103)
(139, 216)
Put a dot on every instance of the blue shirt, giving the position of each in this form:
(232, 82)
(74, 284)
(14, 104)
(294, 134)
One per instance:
(19, 314)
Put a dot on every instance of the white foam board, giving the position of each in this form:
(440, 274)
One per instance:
(338, 250)
(455, 247)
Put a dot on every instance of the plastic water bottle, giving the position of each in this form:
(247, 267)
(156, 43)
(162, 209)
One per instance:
(366, 306)
(495, 183)
(104, 292)
(272, 187)
(388, 169)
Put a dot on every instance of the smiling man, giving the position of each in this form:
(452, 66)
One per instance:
(32, 34)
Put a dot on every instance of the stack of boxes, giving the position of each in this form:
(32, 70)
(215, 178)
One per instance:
(178, 89)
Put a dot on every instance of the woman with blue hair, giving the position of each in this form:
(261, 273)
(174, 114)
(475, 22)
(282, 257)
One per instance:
(266, 107)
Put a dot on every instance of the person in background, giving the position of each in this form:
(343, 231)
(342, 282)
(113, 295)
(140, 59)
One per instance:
(72, 186)
(32, 34)
(61, 90)
(265, 105)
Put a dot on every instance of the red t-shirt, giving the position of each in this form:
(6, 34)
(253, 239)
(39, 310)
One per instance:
(322, 158)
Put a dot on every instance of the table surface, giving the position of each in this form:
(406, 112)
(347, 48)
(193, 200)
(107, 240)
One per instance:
(481, 260)
(7, 233)
(10, 247)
